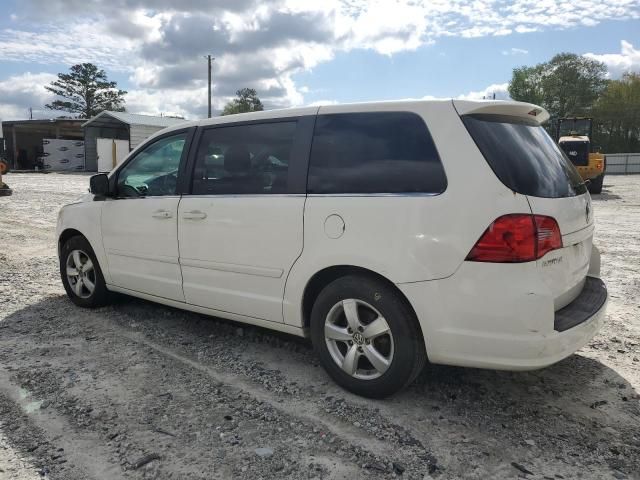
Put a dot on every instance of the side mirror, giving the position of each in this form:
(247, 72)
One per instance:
(99, 184)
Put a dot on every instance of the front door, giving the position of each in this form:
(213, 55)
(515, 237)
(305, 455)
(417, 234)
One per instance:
(139, 225)
(241, 230)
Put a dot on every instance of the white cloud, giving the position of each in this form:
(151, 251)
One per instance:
(159, 44)
(75, 43)
(515, 51)
(320, 103)
(19, 92)
(169, 102)
(500, 90)
(628, 60)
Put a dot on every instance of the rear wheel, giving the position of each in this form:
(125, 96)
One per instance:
(596, 184)
(81, 274)
(366, 336)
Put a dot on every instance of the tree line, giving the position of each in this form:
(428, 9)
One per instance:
(572, 85)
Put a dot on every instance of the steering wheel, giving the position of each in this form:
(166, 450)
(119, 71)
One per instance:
(170, 182)
(163, 185)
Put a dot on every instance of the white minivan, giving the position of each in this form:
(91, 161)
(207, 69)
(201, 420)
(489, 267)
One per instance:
(389, 233)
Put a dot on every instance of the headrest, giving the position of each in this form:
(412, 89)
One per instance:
(237, 159)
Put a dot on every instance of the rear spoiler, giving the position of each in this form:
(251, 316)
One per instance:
(499, 107)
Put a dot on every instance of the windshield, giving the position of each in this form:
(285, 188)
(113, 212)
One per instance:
(524, 157)
(575, 126)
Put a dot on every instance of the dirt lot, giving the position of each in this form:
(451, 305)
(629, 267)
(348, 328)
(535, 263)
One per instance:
(96, 394)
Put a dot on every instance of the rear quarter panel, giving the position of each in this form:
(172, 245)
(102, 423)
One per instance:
(406, 238)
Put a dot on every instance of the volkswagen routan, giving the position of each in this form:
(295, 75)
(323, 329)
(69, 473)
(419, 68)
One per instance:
(392, 234)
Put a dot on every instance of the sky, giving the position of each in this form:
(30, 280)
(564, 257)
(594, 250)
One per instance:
(300, 52)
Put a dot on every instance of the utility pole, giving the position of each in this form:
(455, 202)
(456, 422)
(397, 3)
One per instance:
(209, 85)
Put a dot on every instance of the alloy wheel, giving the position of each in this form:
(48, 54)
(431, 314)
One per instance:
(359, 339)
(81, 273)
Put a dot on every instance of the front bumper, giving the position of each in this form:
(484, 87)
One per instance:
(504, 322)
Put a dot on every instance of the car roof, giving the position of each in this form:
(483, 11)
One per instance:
(463, 107)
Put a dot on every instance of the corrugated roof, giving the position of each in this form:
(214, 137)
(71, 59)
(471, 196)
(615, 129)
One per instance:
(135, 119)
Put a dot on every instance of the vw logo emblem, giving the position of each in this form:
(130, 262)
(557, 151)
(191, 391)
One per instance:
(358, 338)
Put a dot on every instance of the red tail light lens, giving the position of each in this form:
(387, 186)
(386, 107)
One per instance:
(549, 237)
(517, 238)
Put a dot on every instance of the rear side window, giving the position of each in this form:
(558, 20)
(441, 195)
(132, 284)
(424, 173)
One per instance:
(244, 159)
(378, 152)
(524, 157)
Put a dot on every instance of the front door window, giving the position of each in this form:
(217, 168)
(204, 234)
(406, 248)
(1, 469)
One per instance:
(153, 171)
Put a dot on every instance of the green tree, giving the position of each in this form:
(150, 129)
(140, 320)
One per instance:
(527, 84)
(85, 92)
(617, 116)
(567, 85)
(246, 101)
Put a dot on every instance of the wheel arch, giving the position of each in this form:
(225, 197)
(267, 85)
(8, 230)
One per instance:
(68, 233)
(329, 274)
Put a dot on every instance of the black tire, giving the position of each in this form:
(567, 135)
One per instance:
(409, 355)
(100, 295)
(596, 184)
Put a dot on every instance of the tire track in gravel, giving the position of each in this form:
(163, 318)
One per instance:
(458, 435)
(360, 453)
(329, 413)
(286, 406)
(62, 449)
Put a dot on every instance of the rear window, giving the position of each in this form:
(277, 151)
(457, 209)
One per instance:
(376, 152)
(524, 157)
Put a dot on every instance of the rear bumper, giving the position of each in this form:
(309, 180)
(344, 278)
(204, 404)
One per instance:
(485, 319)
(592, 298)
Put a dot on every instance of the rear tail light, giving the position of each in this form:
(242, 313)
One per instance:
(517, 238)
(548, 235)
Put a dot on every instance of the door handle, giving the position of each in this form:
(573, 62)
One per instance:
(194, 215)
(161, 214)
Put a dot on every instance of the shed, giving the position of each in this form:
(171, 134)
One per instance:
(24, 139)
(131, 127)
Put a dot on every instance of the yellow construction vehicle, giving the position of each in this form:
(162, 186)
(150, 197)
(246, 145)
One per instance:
(574, 137)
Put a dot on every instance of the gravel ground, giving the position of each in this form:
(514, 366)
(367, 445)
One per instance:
(137, 390)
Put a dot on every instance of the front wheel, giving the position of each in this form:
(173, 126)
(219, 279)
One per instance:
(81, 274)
(366, 336)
